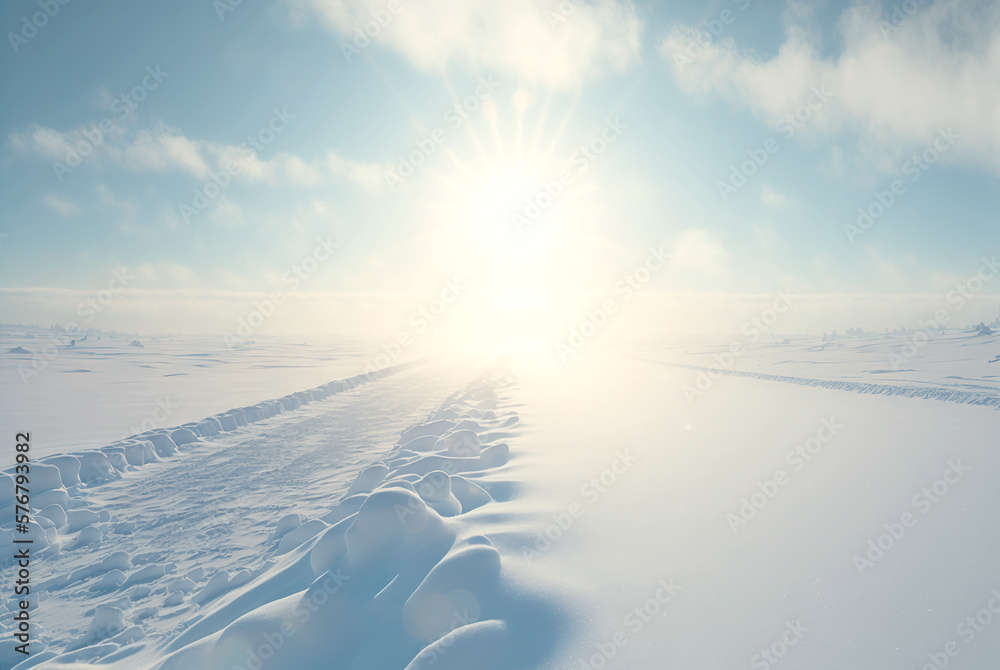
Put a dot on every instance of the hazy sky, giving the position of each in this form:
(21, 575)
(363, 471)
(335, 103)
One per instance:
(123, 124)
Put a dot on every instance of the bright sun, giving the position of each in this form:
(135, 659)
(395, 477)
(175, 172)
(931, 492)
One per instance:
(518, 238)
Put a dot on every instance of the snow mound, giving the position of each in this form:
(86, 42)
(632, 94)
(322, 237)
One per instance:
(389, 578)
(287, 523)
(393, 575)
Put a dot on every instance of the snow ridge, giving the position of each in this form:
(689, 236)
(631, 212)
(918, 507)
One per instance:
(390, 578)
(394, 575)
(64, 519)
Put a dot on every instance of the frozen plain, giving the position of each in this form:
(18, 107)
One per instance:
(511, 513)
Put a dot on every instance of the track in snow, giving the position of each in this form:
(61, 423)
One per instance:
(926, 392)
(212, 507)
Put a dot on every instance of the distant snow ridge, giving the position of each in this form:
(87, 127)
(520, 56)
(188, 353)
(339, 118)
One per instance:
(390, 577)
(925, 392)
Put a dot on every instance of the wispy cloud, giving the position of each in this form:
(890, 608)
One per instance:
(61, 205)
(894, 87)
(544, 42)
(773, 199)
(161, 148)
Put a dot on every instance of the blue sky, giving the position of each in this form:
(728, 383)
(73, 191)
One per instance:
(681, 126)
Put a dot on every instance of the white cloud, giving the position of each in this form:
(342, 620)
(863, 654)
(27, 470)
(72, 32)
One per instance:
(557, 43)
(165, 149)
(773, 199)
(46, 142)
(61, 205)
(940, 67)
(161, 149)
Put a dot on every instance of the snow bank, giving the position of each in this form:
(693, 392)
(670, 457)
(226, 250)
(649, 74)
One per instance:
(390, 577)
(386, 579)
(98, 466)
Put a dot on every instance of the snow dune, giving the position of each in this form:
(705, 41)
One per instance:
(387, 577)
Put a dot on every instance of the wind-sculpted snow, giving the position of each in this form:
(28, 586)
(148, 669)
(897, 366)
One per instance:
(388, 576)
(67, 524)
(386, 579)
(57, 480)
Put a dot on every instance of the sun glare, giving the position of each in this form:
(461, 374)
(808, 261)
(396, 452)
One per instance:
(524, 243)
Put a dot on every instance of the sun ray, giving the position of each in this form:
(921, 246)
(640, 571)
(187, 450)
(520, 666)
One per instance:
(536, 140)
(490, 112)
(558, 134)
(526, 283)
